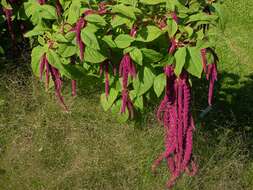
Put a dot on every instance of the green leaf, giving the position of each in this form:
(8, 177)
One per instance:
(36, 55)
(48, 12)
(194, 65)
(127, 11)
(89, 39)
(119, 20)
(172, 27)
(202, 17)
(129, 2)
(108, 102)
(37, 30)
(150, 55)
(123, 41)
(138, 102)
(136, 55)
(116, 108)
(67, 50)
(59, 37)
(146, 80)
(73, 72)
(74, 12)
(152, 2)
(93, 56)
(96, 19)
(180, 57)
(189, 30)
(148, 33)
(159, 84)
(109, 41)
(54, 59)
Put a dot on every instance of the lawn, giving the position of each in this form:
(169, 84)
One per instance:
(43, 148)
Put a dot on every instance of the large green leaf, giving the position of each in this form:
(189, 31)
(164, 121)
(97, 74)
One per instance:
(127, 11)
(109, 41)
(119, 20)
(159, 84)
(96, 19)
(145, 81)
(93, 56)
(148, 33)
(150, 55)
(180, 57)
(74, 11)
(54, 59)
(67, 50)
(107, 102)
(48, 12)
(194, 65)
(123, 40)
(152, 2)
(89, 38)
(36, 55)
(136, 55)
(172, 27)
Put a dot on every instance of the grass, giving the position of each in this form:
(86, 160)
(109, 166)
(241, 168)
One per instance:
(42, 148)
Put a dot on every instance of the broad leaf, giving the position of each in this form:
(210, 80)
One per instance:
(149, 33)
(36, 55)
(89, 39)
(136, 55)
(194, 66)
(123, 40)
(180, 57)
(159, 84)
(107, 102)
(93, 56)
(96, 19)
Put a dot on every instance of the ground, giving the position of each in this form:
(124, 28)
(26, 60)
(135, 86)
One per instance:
(43, 148)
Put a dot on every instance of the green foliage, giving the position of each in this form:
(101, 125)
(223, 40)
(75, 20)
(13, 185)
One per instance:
(106, 36)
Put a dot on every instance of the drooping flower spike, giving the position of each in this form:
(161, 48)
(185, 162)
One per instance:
(174, 112)
(50, 70)
(126, 70)
(104, 67)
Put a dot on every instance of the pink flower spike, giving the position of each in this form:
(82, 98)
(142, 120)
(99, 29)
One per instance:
(173, 46)
(174, 16)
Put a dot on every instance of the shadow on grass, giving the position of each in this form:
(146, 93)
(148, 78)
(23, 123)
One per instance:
(232, 109)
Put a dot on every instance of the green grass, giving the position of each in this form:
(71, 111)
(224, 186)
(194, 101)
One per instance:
(42, 148)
